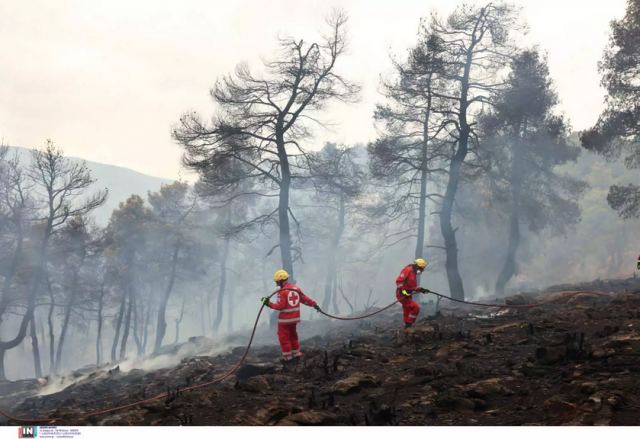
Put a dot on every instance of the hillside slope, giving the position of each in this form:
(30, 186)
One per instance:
(574, 360)
(121, 182)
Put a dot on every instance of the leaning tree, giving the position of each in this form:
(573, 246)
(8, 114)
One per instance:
(476, 45)
(262, 120)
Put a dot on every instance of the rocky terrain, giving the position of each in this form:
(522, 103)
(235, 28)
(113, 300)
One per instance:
(574, 360)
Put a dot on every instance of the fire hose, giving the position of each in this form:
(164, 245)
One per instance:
(246, 352)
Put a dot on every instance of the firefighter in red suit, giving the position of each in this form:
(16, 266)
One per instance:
(288, 303)
(407, 283)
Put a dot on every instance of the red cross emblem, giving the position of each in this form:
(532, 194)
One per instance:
(293, 298)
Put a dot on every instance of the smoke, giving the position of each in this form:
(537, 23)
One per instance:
(197, 346)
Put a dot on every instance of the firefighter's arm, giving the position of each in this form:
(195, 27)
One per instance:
(307, 300)
(282, 301)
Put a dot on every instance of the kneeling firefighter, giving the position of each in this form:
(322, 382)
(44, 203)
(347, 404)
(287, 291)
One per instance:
(288, 302)
(406, 286)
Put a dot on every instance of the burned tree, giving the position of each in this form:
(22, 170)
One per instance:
(262, 120)
(225, 213)
(476, 46)
(410, 149)
(15, 213)
(617, 131)
(171, 207)
(526, 143)
(338, 181)
(58, 183)
(69, 253)
(127, 232)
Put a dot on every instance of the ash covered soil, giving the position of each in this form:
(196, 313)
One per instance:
(574, 360)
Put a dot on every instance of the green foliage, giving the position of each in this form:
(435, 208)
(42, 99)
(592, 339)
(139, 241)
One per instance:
(526, 144)
(617, 132)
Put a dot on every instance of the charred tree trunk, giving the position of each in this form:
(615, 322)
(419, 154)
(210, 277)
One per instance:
(230, 312)
(145, 334)
(99, 330)
(179, 321)
(283, 203)
(448, 232)
(116, 337)
(222, 285)
(422, 215)
(34, 345)
(65, 324)
(509, 267)
(456, 287)
(52, 335)
(136, 326)
(330, 281)
(127, 326)
(34, 285)
(161, 327)
(336, 310)
(42, 337)
(422, 207)
(17, 340)
(3, 375)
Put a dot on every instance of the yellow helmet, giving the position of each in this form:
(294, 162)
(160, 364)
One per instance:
(280, 275)
(420, 263)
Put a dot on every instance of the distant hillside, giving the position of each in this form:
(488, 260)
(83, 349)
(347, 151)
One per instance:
(121, 182)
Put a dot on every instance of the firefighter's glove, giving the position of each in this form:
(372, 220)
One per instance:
(316, 307)
(406, 293)
(265, 302)
(425, 290)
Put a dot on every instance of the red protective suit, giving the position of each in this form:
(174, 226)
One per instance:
(407, 281)
(288, 303)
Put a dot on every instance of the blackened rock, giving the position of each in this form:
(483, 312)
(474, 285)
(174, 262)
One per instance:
(488, 387)
(251, 370)
(558, 407)
(424, 371)
(551, 355)
(354, 383)
(418, 334)
(273, 413)
(588, 388)
(449, 402)
(628, 343)
(382, 415)
(311, 417)
(256, 384)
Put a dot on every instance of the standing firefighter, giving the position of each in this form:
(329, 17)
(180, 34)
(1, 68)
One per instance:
(288, 303)
(407, 283)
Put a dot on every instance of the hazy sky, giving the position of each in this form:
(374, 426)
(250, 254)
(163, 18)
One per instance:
(106, 80)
